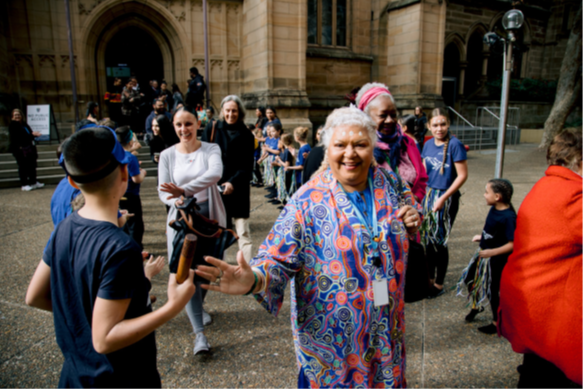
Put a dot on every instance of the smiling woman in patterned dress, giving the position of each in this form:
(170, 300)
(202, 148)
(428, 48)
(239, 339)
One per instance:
(342, 242)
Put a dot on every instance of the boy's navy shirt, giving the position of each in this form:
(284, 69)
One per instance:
(133, 170)
(433, 157)
(498, 230)
(300, 162)
(272, 143)
(90, 259)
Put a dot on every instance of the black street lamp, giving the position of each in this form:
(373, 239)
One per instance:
(511, 21)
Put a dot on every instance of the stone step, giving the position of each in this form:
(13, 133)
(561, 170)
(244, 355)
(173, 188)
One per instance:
(48, 178)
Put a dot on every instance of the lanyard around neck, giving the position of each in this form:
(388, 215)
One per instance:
(374, 230)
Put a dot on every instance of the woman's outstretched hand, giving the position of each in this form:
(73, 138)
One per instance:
(174, 190)
(227, 278)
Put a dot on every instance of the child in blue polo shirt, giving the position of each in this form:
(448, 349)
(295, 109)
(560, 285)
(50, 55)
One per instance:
(131, 201)
(91, 277)
(300, 136)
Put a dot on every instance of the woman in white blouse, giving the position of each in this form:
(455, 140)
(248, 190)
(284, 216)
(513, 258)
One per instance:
(191, 168)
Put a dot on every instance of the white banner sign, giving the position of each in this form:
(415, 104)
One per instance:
(38, 118)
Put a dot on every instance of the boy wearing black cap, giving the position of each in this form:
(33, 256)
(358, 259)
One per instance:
(92, 278)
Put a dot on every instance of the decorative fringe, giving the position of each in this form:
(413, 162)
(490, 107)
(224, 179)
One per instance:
(477, 277)
(282, 193)
(436, 226)
(268, 171)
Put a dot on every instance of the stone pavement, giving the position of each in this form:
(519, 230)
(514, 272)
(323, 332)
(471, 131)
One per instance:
(250, 347)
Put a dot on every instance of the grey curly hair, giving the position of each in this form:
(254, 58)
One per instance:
(237, 100)
(347, 116)
(365, 88)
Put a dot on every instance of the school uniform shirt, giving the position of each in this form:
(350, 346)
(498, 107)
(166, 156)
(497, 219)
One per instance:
(61, 200)
(498, 230)
(272, 144)
(300, 162)
(433, 157)
(90, 259)
(133, 170)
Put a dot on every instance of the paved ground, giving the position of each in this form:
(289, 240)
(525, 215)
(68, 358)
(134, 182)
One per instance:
(250, 347)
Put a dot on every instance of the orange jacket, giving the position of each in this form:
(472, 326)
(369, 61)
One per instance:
(540, 291)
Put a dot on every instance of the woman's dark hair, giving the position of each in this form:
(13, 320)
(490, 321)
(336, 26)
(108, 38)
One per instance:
(409, 122)
(565, 149)
(262, 110)
(278, 127)
(167, 132)
(210, 108)
(504, 188)
(23, 118)
(91, 108)
(124, 135)
(175, 88)
(163, 82)
(186, 108)
(271, 108)
(435, 113)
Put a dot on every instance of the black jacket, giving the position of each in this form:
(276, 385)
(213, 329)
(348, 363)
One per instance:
(19, 136)
(196, 89)
(237, 147)
(312, 163)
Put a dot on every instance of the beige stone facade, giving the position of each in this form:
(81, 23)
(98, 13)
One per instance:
(259, 49)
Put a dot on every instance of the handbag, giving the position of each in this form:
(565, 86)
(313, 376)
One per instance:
(417, 281)
(213, 239)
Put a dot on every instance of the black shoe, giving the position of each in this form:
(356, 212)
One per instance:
(253, 184)
(490, 329)
(472, 315)
(259, 185)
(435, 292)
(275, 201)
(270, 196)
(280, 207)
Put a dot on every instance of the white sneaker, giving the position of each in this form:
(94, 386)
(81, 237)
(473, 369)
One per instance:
(38, 185)
(201, 345)
(206, 318)
(27, 188)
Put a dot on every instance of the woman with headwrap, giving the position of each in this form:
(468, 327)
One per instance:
(393, 150)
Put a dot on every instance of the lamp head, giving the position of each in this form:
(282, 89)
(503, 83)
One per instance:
(513, 19)
(491, 38)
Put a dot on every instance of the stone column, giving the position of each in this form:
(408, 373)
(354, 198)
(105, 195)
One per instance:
(414, 50)
(274, 59)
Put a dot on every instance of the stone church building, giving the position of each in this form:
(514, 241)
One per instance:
(300, 56)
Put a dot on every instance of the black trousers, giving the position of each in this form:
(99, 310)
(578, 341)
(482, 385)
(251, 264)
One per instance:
(536, 372)
(438, 255)
(496, 267)
(257, 172)
(26, 169)
(135, 224)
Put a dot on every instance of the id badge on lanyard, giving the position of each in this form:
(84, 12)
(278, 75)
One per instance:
(380, 287)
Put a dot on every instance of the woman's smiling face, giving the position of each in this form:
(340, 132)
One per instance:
(185, 126)
(350, 155)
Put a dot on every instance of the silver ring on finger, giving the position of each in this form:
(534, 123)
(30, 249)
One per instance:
(221, 275)
(217, 282)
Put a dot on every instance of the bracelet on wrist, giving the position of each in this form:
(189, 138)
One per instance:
(254, 285)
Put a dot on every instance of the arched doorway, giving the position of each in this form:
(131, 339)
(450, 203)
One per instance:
(132, 51)
(138, 17)
(451, 73)
(475, 61)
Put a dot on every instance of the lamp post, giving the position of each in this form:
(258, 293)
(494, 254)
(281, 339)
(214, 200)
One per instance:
(511, 21)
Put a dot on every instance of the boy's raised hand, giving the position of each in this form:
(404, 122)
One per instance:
(180, 294)
(153, 266)
(477, 238)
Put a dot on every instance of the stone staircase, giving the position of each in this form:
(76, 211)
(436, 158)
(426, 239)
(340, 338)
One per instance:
(49, 171)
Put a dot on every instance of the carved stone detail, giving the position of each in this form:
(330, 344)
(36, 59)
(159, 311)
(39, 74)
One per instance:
(233, 8)
(233, 64)
(87, 9)
(65, 60)
(215, 7)
(198, 63)
(23, 60)
(46, 60)
(217, 63)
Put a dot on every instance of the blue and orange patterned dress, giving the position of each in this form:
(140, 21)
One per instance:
(319, 244)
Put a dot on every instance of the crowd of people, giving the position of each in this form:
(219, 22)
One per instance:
(351, 208)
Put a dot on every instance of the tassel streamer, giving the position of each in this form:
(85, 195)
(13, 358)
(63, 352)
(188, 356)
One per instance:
(477, 278)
